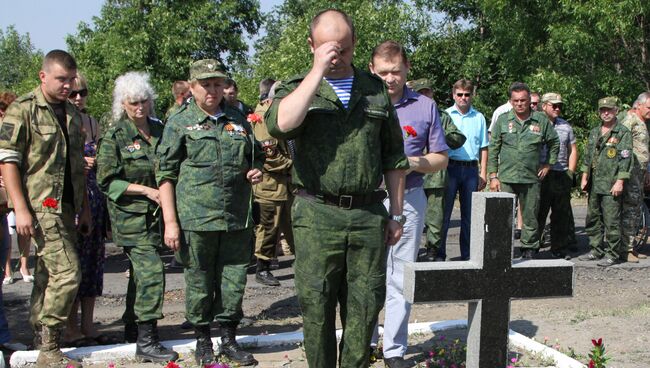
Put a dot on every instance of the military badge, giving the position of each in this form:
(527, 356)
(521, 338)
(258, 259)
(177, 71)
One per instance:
(511, 127)
(130, 148)
(234, 128)
(535, 129)
(625, 153)
(611, 153)
(612, 140)
(136, 145)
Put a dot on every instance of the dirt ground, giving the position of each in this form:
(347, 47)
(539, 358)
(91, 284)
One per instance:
(611, 303)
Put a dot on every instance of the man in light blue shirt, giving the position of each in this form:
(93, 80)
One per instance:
(464, 162)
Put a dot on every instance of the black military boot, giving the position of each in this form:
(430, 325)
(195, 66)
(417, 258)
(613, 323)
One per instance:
(148, 348)
(203, 354)
(231, 349)
(263, 275)
(130, 332)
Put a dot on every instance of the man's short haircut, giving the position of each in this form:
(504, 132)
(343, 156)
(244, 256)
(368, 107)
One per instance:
(388, 50)
(265, 88)
(464, 84)
(180, 88)
(59, 57)
(643, 97)
(229, 82)
(536, 94)
(518, 87)
(316, 20)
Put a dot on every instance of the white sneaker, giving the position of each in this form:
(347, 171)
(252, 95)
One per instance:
(8, 280)
(27, 278)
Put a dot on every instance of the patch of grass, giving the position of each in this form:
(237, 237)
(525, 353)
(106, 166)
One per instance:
(642, 309)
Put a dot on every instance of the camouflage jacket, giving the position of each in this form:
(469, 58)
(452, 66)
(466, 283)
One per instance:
(454, 139)
(277, 167)
(124, 157)
(640, 140)
(207, 158)
(515, 147)
(31, 136)
(607, 158)
(338, 150)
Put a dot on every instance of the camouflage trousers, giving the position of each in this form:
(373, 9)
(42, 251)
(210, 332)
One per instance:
(555, 196)
(215, 274)
(631, 211)
(57, 273)
(434, 217)
(275, 218)
(146, 289)
(340, 258)
(528, 196)
(603, 224)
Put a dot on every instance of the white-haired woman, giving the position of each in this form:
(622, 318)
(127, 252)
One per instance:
(125, 174)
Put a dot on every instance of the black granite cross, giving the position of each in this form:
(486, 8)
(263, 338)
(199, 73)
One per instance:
(489, 280)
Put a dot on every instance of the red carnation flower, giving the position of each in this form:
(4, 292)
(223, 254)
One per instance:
(598, 342)
(50, 202)
(410, 132)
(254, 118)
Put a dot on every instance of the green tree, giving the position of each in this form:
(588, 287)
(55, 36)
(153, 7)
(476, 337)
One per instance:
(19, 62)
(161, 37)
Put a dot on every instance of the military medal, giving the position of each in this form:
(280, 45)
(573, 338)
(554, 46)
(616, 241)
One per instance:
(136, 145)
(535, 129)
(625, 153)
(130, 148)
(611, 152)
(511, 127)
(612, 140)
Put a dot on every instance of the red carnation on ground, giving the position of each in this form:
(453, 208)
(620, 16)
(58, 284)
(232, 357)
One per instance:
(254, 118)
(410, 132)
(50, 202)
(172, 365)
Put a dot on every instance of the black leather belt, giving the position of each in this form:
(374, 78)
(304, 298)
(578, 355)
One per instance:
(344, 201)
(463, 163)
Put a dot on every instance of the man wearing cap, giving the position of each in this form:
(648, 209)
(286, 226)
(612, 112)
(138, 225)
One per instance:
(347, 138)
(514, 160)
(464, 165)
(434, 184)
(606, 168)
(635, 121)
(208, 161)
(555, 193)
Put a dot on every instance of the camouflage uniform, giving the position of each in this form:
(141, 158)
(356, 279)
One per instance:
(207, 158)
(340, 253)
(30, 136)
(272, 194)
(607, 158)
(633, 194)
(124, 157)
(434, 185)
(514, 153)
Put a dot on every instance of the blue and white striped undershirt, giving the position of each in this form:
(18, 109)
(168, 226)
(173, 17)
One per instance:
(343, 88)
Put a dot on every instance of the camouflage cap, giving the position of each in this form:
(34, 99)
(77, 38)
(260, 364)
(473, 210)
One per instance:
(552, 98)
(608, 102)
(207, 68)
(419, 84)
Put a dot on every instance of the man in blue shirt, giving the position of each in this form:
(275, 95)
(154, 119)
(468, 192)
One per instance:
(422, 132)
(463, 169)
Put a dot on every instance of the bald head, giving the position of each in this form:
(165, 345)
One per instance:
(333, 22)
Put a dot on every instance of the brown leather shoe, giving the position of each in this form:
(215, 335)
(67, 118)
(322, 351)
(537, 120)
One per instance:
(632, 258)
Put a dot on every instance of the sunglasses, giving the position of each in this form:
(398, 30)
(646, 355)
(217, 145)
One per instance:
(463, 94)
(82, 93)
(534, 103)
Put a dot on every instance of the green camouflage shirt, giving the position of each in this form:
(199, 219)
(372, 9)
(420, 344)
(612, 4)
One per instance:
(124, 157)
(31, 136)
(639, 140)
(515, 147)
(607, 158)
(454, 139)
(207, 159)
(338, 150)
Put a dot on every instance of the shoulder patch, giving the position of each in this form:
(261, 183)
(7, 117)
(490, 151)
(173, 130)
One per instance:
(6, 131)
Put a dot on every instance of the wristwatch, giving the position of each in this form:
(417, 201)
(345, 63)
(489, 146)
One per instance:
(400, 219)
